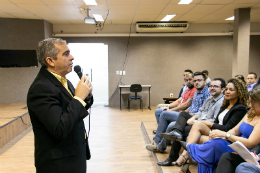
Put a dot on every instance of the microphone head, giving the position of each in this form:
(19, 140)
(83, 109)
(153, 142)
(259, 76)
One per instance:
(77, 68)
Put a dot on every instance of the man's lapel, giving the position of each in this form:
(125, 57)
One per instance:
(56, 82)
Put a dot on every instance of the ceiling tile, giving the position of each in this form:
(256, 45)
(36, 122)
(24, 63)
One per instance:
(77, 21)
(120, 17)
(177, 9)
(58, 21)
(152, 2)
(218, 2)
(122, 9)
(190, 18)
(122, 2)
(50, 17)
(123, 22)
(58, 2)
(145, 17)
(150, 9)
(26, 1)
(215, 16)
(246, 1)
(5, 15)
(98, 8)
(225, 21)
(5, 2)
(204, 9)
(73, 16)
(65, 9)
(230, 8)
(25, 16)
(11, 8)
(101, 2)
(37, 8)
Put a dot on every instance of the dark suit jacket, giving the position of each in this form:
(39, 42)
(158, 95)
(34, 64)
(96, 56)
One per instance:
(57, 121)
(231, 119)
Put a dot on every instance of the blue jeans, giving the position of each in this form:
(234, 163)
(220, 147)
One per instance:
(166, 117)
(157, 114)
(247, 167)
(163, 144)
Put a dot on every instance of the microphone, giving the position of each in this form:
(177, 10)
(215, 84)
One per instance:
(77, 69)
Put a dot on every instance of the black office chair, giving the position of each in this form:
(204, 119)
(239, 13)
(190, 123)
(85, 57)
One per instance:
(135, 88)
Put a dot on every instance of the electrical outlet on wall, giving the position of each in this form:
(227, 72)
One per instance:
(117, 72)
(171, 94)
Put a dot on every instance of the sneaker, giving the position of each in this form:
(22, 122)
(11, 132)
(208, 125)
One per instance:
(152, 148)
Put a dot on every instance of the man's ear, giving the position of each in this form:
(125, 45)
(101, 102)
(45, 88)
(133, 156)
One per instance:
(50, 61)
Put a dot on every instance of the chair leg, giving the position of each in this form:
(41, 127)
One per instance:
(129, 104)
(142, 106)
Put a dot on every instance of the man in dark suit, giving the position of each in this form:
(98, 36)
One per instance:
(57, 111)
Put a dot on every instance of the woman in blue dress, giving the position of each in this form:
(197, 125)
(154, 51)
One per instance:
(247, 132)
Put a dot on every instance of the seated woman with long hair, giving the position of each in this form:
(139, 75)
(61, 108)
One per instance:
(232, 111)
(247, 132)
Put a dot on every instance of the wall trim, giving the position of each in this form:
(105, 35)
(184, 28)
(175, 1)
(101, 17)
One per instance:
(149, 34)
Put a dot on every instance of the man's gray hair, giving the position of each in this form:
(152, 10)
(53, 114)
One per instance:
(46, 48)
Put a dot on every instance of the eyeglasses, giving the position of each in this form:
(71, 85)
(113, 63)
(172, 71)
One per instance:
(214, 86)
(198, 80)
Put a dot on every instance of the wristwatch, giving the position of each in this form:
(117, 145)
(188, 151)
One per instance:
(228, 135)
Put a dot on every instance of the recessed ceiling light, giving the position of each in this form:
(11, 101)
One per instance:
(230, 18)
(90, 2)
(185, 2)
(168, 17)
(98, 17)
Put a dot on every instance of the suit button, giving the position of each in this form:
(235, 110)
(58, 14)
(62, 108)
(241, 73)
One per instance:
(84, 143)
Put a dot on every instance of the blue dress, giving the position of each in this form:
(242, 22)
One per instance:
(208, 154)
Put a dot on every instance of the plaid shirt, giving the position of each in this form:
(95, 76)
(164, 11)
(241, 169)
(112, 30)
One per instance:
(198, 100)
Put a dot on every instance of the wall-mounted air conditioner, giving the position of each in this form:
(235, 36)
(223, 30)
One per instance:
(179, 26)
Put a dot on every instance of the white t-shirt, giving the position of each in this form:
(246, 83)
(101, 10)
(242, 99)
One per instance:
(221, 116)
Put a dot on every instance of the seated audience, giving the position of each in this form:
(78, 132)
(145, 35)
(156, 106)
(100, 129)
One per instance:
(251, 80)
(180, 100)
(182, 103)
(208, 112)
(206, 73)
(200, 96)
(208, 154)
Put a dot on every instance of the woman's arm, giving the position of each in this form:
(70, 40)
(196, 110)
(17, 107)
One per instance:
(253, 139)
(235, 117)
(222, 134)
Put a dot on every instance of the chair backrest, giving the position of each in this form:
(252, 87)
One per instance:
(136, 88)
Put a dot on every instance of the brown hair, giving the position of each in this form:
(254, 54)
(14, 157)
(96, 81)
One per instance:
(254, 94)
(241, 91)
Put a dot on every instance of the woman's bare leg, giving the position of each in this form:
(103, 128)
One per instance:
(203, 139)
(198, 129)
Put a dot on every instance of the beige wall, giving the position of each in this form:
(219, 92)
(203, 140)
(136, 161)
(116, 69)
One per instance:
(20, 34)
(158, 61)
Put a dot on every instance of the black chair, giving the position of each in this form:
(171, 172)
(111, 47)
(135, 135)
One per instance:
(135, 88)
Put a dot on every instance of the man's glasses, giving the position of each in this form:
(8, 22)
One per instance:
(214, 86)
(198, 80)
